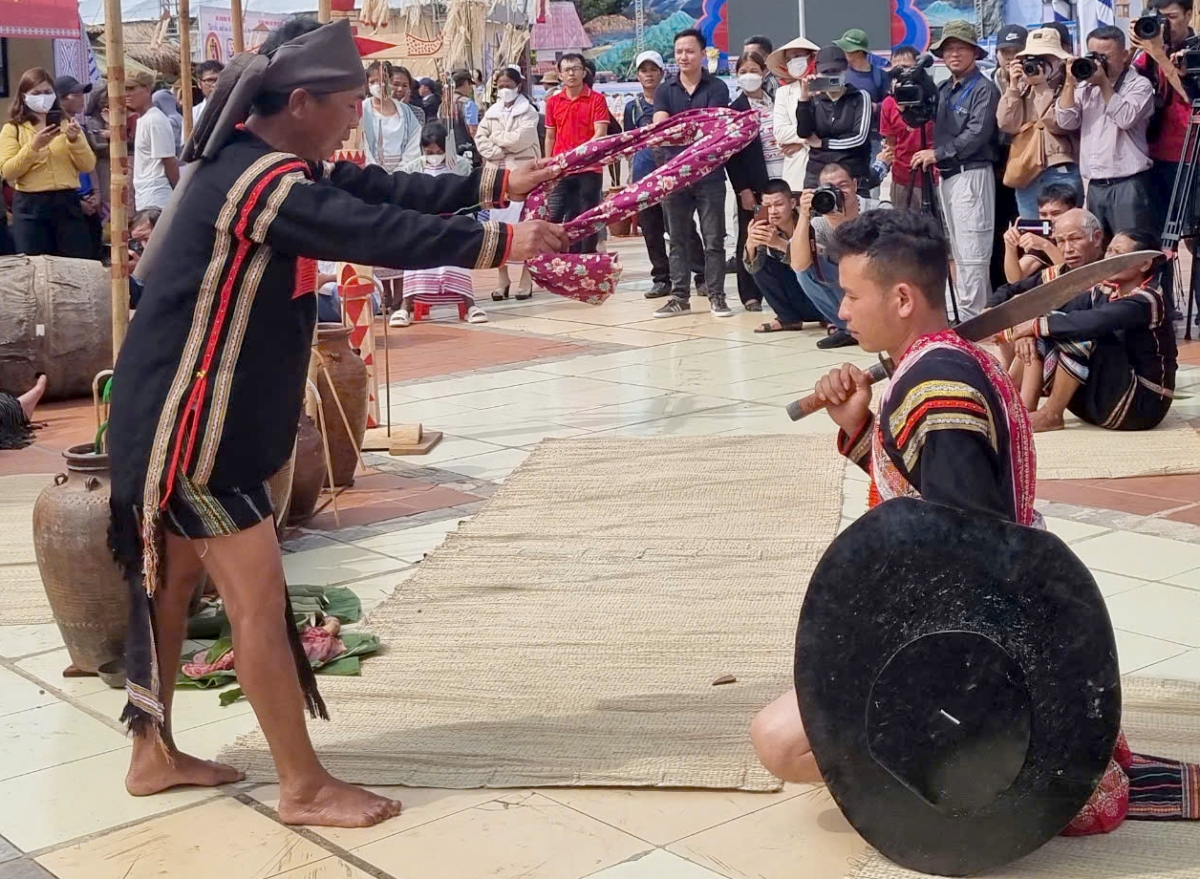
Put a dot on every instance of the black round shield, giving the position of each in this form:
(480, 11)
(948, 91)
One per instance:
(957, 678)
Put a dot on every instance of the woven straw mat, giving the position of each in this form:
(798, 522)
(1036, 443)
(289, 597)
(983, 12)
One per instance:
(22, 599)
(570, 634)
(1161, 718)
(1083, 451)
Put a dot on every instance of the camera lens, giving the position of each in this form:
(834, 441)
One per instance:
(1083, 68)
(824, 200)
(1147, 27)
(1031, 66)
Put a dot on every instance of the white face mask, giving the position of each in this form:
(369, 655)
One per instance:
(435, 161)
(39, 103)
(750, 82)
(376, 90)
(508, 95)
(797, 66)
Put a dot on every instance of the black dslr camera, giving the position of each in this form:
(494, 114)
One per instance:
(915, 92)
(1083, 68)
(1033, 66)
(1150, 26)
(828, 199)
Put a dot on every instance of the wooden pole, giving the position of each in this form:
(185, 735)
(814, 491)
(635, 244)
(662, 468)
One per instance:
(114, 49)
(185, 66)
(239, 37)
(325, 11)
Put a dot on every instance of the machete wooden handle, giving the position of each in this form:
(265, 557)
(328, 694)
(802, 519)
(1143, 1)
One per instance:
(810, 404)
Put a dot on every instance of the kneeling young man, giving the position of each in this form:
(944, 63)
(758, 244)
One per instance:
(951, 427)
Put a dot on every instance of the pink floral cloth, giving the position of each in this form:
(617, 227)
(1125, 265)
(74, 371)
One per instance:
(710, 138)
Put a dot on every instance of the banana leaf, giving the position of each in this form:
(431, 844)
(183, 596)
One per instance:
(310, 604)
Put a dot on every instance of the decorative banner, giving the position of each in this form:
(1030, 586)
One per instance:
(216, 32)
(39, 19)
(356, 287)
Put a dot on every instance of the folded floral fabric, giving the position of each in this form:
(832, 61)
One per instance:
(710, 138)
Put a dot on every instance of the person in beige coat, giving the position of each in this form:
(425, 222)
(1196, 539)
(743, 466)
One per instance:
(1042, 153)
(789, 63)
(507, 137)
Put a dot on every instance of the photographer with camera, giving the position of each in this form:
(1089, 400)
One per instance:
(835, 119)
(832, 203)
(965, 152)
(1158, 35)
(1041, 152)
(1110, 104)
(904, 139)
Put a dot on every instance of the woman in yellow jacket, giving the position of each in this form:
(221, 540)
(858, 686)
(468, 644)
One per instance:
(42, 154)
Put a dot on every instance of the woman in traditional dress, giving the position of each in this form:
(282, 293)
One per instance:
(447, 285)
(751, 169)
(391, 133)
(507, 137)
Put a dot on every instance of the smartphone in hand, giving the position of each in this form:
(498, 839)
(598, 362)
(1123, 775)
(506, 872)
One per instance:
(1044, 228)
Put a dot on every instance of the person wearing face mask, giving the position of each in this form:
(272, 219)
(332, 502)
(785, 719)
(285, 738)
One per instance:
(390, 131)
(1041, 153)
(836, 120)
(755, 166)
(42, 153)
(789, 64)
(507, 137)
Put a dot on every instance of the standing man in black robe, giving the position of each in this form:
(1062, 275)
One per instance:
(209, 384)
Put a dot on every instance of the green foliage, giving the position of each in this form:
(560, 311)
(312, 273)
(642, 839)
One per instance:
(589, 9)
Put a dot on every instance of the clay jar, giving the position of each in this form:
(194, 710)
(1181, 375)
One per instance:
(348, 375)
(83, 583)
(308, 474)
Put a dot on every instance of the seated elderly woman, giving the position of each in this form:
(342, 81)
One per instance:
(1109, 356)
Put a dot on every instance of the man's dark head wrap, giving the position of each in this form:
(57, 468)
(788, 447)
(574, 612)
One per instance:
(322, 61)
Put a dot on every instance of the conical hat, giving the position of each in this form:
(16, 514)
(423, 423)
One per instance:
(777, 60)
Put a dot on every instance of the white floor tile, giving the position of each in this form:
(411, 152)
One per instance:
(18, 641)
(1071, 531)
(1115, 584)
(409, 544)
(49, 667)
(52, 735)
(1158, 610)
(1184, 667)
(659, 864)
(17, 694)
(336, 564)
(493, 466)
(1138, 555)
(1136, 652)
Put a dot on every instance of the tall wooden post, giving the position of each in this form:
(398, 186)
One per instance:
(325, 11)
(185, 66)
(118, 151)
(239, 36)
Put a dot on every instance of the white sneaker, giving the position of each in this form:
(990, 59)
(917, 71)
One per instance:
(400, 318)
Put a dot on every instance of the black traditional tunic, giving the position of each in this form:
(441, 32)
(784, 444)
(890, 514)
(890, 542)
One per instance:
(210, 382)
(1121, 349)
(1005, 292)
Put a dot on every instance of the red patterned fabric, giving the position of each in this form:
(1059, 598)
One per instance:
(710, 136)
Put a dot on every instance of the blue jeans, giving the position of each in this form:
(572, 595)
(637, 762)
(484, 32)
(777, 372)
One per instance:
(1027, 197)
(825, 295)
(780, 286)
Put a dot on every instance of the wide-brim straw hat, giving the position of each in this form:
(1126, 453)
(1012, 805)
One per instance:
(960, 30)
(1044, 42)
(777, 60)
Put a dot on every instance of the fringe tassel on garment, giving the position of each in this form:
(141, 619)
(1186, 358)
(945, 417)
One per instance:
(15, 429)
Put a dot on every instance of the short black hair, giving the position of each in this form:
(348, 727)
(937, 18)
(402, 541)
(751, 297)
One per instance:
(209, 67)
(150, 216)
(287, 32)
(462, 77)
(901, 247)
(779, 187)
(1108, 32)
(434, 133)
(829, 167)
(1143, 238)
(765, 42)
(571, 56)
(512, 72)
(905, 49)
(1063, 193)
(694, 34)
(1185, 5)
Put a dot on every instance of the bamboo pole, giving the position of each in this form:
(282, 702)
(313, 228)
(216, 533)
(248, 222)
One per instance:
(114, 48)
(239, 37)
(325, 11)
(185, 66)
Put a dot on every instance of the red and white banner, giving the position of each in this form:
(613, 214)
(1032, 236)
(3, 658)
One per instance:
(40, 19)
(216, 32)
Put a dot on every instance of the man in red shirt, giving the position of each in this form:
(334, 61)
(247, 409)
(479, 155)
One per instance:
(905, 141)
(575, 115)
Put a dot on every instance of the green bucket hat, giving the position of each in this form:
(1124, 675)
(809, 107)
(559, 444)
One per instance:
(960, 30)
(854, 40)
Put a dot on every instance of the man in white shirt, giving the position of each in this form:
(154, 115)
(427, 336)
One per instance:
(155, 166)
(207, 75)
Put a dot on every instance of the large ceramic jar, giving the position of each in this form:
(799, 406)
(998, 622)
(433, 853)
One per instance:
(348, 375)
(87, 592)
(308, 474)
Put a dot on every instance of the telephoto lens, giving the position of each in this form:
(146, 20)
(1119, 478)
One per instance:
(1148, 26)
(827, 199)
(1031, 66)
(1083, 68)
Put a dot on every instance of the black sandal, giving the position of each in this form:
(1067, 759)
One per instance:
(522, 295)
(501, 294)
(782, 328)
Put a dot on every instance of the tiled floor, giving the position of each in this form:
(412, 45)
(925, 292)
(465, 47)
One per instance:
(541, 369)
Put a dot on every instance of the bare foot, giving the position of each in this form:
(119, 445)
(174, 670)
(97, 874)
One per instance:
(151, 773)
(336, 804)
(1043, 421)
(30, 398)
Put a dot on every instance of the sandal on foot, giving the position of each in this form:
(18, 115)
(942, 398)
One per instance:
(400, 319)
(522, 295)
(500, 295)
(782, 328)
(476, 315)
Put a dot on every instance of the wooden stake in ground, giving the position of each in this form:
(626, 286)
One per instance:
(114, 48)
(185, 66)
(239, 37)
(325, 11)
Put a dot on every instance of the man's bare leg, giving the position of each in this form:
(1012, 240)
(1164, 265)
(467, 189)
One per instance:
(1030, 383)
(1050, 415)
(248, 571)
(31, 397)
(153, 768)
(781, 743)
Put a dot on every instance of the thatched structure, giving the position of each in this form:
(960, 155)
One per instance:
(147, 44)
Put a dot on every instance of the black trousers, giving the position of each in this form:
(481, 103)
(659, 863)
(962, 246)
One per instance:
(780, 286)
(653, 223)
(51, 223)
(1125, 203)
(1162, 182)
(705, 200)
(571, 197)
(747, 289)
